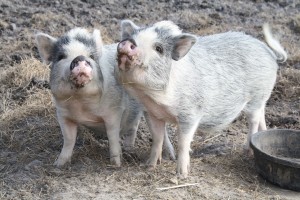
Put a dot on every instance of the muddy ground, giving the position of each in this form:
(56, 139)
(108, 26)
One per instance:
(30, 138)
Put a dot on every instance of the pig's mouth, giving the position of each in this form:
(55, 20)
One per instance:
(126, 61)
(123, 57)
(81, 75)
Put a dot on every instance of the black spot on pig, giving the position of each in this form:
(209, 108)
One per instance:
(162, 33)
(166, 42)
(63, 41)
(58, 50)
(87, 42)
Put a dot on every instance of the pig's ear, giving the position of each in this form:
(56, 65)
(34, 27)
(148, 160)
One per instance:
(128, 28)
(45, 44)
(182, 44)
(98, 40)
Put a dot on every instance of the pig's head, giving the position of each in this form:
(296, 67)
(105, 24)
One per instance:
(145, 55)
(74, 59)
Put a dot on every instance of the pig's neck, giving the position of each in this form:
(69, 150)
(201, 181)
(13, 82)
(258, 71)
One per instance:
(156, 102)
(63, 92)
(164, 103)
(81, 109)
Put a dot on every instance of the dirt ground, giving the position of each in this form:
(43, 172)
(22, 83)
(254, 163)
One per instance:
(30, 138)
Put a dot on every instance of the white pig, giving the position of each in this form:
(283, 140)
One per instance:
(196, 81)
(85, 91)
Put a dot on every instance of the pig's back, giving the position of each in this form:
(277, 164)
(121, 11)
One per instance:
(237, 61)
(234, 49)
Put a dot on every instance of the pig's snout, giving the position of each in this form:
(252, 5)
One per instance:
(79, 60)
(127, 54)
(81, 71)
(127, 45)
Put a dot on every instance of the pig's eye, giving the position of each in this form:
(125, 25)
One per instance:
(61, 56)
(92, 57)
(159, 49)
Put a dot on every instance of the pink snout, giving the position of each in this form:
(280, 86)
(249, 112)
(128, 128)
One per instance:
(127, 54)
(81, 71)
(127, 45)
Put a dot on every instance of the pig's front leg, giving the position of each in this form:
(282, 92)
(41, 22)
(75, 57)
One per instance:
(185, 137)
(112, 125)
(69, 132)
(157, 130)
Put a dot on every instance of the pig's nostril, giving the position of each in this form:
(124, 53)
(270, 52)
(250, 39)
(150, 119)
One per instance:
(132, 47)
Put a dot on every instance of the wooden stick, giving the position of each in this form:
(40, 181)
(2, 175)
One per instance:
(212, 138)
(177, 186)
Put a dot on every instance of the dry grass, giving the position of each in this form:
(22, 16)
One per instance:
(20, 97)
(288, 85)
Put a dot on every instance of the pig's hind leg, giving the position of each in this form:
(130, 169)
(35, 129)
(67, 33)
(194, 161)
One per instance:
(168, 149)
(256, 122)
(130, 128)
(262, 122)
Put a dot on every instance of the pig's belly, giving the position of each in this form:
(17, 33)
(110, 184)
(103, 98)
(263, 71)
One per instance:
(220, 118)
(87, 119)
(82, 113)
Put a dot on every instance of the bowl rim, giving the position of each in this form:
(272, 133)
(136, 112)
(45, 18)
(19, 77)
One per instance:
(279, 160)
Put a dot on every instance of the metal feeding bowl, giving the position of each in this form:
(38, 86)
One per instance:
(277, 157)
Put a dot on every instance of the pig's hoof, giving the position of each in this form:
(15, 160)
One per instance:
(116, 161)
(166, 155)
(182, 171)
(150, 168)
(61, 161)
(152, 162)
(149, 165)
(129, 148)
(182, 176)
